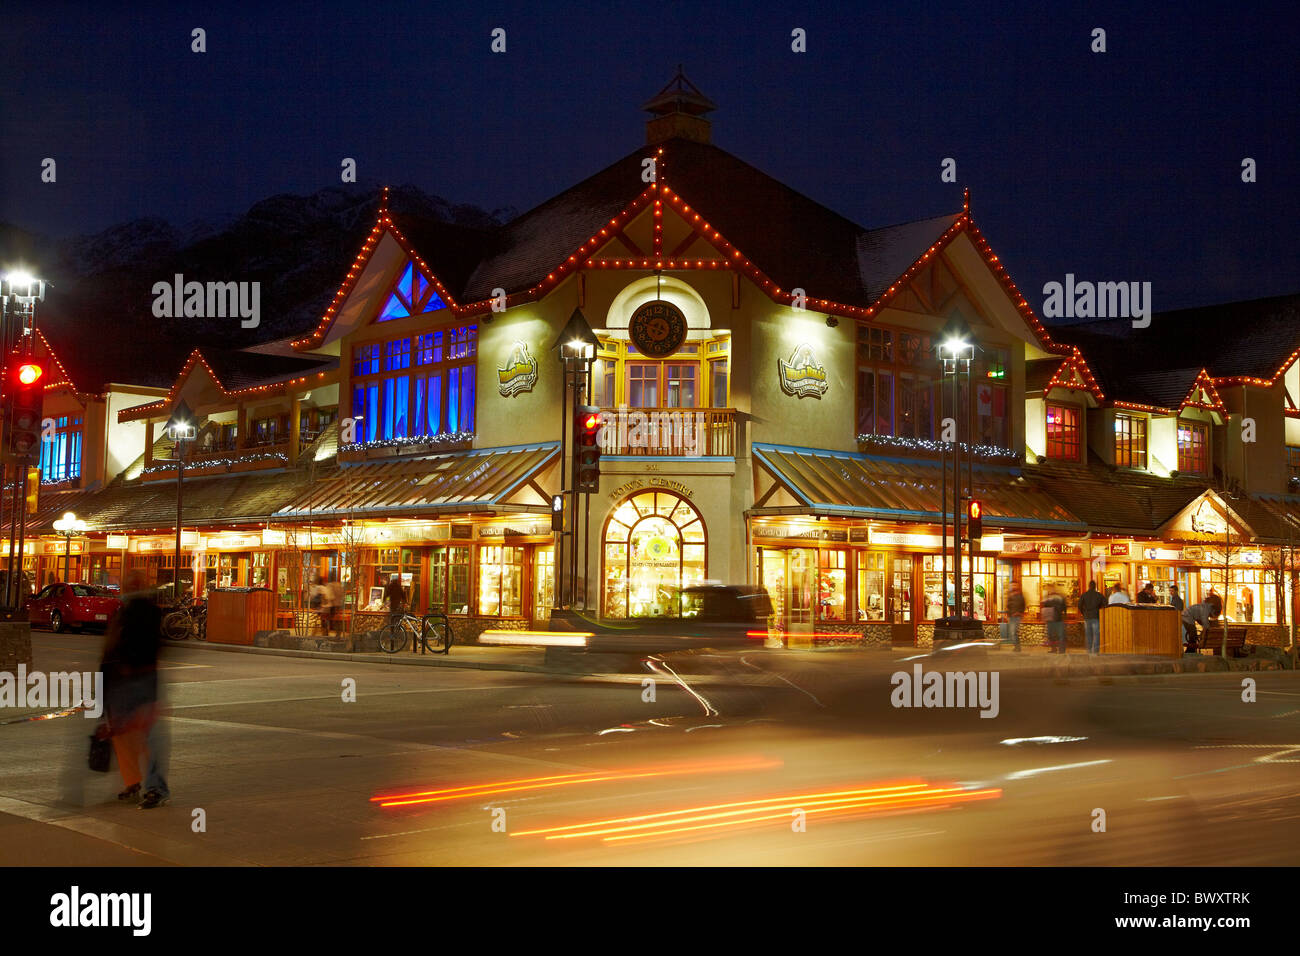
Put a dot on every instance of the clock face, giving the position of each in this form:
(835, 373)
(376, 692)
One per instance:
(657, 328)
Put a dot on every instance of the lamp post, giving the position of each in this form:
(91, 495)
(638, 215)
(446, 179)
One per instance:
(180, 427)
(577, 345)
(19, 293)
(956, 351)
(68, 527)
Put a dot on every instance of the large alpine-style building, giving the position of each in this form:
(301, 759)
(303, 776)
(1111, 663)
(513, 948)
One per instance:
(773, 404)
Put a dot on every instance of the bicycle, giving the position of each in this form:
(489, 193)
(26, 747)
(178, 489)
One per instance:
(394, 635)
(186, 620)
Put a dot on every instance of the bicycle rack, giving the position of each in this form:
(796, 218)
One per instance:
(424, 631)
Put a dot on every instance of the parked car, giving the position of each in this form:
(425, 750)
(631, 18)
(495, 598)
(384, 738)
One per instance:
(72, 606)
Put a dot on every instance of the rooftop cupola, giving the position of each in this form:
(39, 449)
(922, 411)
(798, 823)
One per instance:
(678, 110)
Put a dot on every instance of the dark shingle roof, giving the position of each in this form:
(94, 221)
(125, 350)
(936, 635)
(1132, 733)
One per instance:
(1151, 365)
(796, 241)
(1114, 502)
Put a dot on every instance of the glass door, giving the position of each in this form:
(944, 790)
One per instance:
(801, 591)
(543, 585)
(900, 601)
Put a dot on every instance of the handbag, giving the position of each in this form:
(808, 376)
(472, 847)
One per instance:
(101, 750)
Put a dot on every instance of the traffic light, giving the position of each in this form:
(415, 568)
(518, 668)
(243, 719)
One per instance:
(33, 489)
(23, 394)
(974, 519)
(586, 428)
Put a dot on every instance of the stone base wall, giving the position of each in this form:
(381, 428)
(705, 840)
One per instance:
(832, 634)
(15, 645)
(1031, 633)
(1268, 635)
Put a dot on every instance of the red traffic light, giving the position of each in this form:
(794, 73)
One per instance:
(29, 373)
(590, 423)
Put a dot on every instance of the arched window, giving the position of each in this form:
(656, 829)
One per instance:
(654, 545)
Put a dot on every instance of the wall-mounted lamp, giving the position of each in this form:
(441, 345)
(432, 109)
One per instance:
(832, 321)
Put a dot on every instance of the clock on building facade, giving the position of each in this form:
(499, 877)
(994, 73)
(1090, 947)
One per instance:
(657, 328)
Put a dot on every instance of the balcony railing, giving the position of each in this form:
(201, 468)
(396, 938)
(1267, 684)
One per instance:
(669, 432)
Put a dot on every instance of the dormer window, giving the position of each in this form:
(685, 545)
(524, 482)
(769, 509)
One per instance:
(1063, 442)
(1130, 441)
(1193, 448)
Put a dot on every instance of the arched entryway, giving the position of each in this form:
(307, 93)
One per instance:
(654, 544)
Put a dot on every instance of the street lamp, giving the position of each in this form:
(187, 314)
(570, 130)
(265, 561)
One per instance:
(180, 427)
(19, 293)
(577, 345)
(68, 527)
(956, 351)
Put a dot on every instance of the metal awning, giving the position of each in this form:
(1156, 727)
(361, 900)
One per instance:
(862, 486)
(481, 480)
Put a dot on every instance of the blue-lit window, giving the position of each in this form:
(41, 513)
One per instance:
(61, 451)
(412, 295)
(437, 398)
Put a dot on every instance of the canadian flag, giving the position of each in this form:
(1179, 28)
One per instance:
(985, 400)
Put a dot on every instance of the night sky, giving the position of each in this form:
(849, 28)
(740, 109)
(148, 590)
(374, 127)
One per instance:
(1115, 166)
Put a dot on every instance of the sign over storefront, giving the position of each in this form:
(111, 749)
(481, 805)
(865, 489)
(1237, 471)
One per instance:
(1044, 547)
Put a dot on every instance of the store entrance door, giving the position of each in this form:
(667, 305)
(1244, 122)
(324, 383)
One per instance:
(900, 602)
(801, 592)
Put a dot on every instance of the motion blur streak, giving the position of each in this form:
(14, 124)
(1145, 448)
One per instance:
(904, 794)
(942, 798)
(569, 779)
(536, 638)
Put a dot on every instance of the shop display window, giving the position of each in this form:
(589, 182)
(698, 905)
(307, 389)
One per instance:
(977, 588)
(501, 581)
(871, 586)
(1163, 576)
(832, 586)
(1039, 579)
(1249, 598)
(654, 546)
(449, 579)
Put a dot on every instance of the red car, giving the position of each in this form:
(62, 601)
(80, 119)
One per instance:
(64, 606)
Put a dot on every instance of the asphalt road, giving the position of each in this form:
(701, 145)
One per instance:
(770, 758)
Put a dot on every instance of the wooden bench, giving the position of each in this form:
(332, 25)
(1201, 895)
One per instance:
(1212, 639)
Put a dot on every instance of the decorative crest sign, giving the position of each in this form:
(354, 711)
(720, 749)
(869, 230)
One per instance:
(519, 374)
(802, 377)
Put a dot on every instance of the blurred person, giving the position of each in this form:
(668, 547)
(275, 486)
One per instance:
(1148, 594)
(1247, 605)
(1194, 616)
(130, 668)
(1215, 602)
(1118, 595)
(1015, 612)
(335, 590)
(1053, 611)
(1090, 606)
(318, 601)
(1176, 599)
(395, 598)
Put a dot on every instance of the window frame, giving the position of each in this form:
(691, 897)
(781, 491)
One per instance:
(417, 357)
(1191, 451)
(1076, 430)
(1133, 456)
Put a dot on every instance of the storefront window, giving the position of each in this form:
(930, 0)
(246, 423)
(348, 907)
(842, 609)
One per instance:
(977, 588)
(832, 586)
(543, 582)
(1040, 579)
(1249, 598)
(449, 580)
(501, 581)
(871, 586)
(654, 545)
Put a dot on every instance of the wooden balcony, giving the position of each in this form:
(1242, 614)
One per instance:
(669, 432)
(220, 460)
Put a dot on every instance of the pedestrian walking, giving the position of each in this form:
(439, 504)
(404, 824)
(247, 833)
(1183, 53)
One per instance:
(130, 669)
(1247, 605)
(1090, 605)
(335, 593)
(1015, 612)
(395, 598)
(318, 601)
(1053, 611)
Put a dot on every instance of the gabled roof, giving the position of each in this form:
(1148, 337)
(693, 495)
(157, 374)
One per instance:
(1253, 341)
(235, 373)
(1072, 371)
